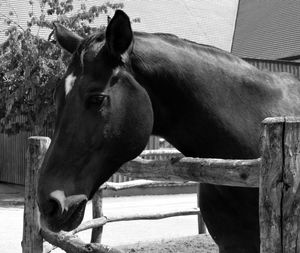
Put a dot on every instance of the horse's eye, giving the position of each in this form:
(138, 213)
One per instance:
(96, 100)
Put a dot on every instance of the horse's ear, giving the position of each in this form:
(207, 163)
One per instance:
(108, 19)
(66, 39)
(119, 33)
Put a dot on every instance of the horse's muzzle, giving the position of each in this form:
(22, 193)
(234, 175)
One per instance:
(61, 212)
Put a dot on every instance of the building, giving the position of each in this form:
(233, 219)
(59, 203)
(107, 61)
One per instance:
(267, 29)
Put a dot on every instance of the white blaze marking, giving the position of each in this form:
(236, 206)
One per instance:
(69, 83)
(124, 57)
(116, 71)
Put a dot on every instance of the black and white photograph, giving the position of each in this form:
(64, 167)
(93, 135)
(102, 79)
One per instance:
(150, 126)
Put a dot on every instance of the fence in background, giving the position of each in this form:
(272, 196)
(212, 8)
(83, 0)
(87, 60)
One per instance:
(13, 158)
(276, 173)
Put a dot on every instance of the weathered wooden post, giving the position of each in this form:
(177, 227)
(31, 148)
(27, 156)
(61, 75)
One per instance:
(280, 186)
(32, 240)
(97, 213)
(201, 224)
(291, 187)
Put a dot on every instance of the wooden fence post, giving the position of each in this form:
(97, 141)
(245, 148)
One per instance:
(291, 187)
(270, 191)
(280, 186)
(201, 224)
(97, 213)
(32, 240)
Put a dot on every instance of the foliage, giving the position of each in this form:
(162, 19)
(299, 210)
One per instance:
(31, 66)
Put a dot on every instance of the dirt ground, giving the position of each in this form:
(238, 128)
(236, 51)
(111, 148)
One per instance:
(137, 236)
(190, 244)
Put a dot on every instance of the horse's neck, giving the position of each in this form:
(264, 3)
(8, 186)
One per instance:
(191, 94)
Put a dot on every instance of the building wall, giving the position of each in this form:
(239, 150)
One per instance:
(276, 66)
(267, 29)
(12, 158)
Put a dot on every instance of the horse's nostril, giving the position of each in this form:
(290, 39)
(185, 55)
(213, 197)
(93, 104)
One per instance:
(53, 208)
(56, 204)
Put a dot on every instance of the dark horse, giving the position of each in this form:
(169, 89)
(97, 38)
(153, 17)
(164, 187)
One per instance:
(121, 86)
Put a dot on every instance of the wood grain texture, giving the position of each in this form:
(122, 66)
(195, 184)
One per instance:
(32, 241)
(271, 187)
(97, 213)
(280, 186)
(243, 173)
(72, 244)
(291, 187)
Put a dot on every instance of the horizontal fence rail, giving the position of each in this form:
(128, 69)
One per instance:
(276, 174)
(157, 154)
(142, 183)
(97, 203)
(212, 171)
(69, 241)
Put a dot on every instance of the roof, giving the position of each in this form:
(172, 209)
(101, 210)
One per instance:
(206, 21)
(267, 29)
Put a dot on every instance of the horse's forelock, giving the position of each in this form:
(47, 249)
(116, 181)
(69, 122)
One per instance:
(88, 43)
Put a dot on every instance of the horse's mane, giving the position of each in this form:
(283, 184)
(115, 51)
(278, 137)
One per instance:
(195, 46)
(183, 42)
(198, 48)
(89, 40)
(169, 38)
(224, 60)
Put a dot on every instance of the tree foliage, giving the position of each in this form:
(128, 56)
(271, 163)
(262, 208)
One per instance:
(30, 66)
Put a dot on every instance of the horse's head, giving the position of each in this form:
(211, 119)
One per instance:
(104, 118)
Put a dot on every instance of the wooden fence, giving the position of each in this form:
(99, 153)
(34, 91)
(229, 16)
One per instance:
(276, 173)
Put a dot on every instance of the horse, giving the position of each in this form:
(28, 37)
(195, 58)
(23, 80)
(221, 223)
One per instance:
(122, 86)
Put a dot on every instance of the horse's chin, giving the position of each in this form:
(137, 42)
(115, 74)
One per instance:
(68, 221)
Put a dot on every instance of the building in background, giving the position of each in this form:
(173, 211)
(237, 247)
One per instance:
(267, 30)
